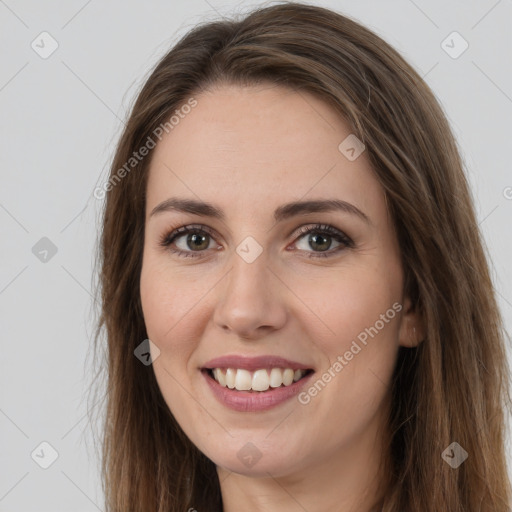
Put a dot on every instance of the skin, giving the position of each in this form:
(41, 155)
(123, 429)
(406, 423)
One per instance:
(248, 151)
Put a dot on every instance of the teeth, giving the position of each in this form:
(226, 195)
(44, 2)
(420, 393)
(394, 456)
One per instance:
(260, 380)
(243, 380)
(276, 377)
(230, 377)
(287, 376)
(219, 377)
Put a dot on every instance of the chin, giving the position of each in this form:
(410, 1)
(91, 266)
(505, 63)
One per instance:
(256, 458)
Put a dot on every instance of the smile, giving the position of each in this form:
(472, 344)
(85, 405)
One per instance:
(260, 380)
(251, 384)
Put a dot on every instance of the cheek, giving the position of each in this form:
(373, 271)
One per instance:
(361, 308)
(168, 316)
(165, 316)
(351, 302)
(168, 300)
(362, 311)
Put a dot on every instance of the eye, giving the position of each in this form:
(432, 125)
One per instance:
(320, 237)
(188, 241)
(192, 240)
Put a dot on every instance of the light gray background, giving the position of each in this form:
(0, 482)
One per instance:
(60, 119)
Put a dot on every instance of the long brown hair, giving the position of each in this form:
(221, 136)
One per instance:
(453, 387)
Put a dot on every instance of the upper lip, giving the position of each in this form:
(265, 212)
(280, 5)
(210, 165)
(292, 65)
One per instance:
(254, 363)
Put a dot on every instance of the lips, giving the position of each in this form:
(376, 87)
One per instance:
(254, 363)
(254, 383)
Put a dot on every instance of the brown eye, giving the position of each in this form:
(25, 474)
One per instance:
(196, 241)
(187, 240)
(318, 239)
(320, 242)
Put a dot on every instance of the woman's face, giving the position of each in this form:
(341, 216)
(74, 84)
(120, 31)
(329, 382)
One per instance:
(254, 298)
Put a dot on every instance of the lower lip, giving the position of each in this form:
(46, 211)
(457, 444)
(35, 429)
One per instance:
(251, 401)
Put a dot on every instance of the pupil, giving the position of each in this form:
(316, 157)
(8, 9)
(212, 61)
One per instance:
(325, 240)
(196, 241)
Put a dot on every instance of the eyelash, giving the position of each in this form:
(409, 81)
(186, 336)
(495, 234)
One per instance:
(323, 229)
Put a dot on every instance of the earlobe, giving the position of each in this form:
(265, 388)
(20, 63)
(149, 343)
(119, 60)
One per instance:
(411, 332)
(415, 338)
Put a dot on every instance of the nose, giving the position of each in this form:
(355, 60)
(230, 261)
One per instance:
(251, 302)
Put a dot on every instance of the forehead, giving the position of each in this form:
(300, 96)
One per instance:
(240, 145)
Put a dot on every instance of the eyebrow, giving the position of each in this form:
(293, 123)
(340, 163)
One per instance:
(281, 213)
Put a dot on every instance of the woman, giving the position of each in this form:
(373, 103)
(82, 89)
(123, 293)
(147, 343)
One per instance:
(297, 304)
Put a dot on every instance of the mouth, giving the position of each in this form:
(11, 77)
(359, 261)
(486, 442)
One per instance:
(258, 381)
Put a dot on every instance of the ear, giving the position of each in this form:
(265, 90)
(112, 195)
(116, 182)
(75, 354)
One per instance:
(411, 332)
